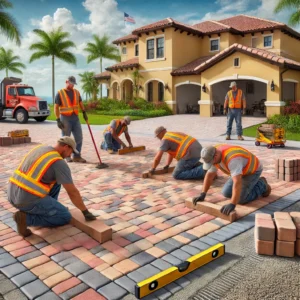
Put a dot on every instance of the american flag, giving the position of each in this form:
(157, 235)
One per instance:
(128, 18)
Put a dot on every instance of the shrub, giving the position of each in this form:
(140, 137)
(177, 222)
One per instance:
(293, 123)
(289, 122)
(136, 112)
(279, 120)
(292, 108)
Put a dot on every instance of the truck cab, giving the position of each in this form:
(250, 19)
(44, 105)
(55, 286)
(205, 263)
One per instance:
(19, 101)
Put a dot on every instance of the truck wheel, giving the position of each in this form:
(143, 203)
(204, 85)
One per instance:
(21, 116)
(40, 119)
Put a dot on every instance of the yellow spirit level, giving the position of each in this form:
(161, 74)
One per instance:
(163, 278)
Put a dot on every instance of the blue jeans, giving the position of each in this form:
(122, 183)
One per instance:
(72, 125)
(187, 169)
(234, 114)
(48, 212)
(252, 188)
(110, 143)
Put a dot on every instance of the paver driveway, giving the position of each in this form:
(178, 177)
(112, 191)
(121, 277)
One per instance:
(148, 217)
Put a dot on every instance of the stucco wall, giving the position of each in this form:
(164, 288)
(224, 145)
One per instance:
(130, 50)
(289, 47)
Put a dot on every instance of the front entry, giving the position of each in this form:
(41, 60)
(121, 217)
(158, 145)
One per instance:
(187, 97)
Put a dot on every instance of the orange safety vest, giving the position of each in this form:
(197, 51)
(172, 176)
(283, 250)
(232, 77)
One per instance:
(230, 152)
(183, 142)
(67, 108)
(30, 179)
(237, 101)
(119, 128)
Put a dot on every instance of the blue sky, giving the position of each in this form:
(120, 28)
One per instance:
(82, 18)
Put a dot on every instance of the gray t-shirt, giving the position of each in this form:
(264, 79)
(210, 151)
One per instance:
(58, 171)
(113, 124)
(235, 166)
(194, 150)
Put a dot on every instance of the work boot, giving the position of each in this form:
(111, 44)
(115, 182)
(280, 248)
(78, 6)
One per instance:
(110, 151)
(79, 159)
(240, 138)
(228, 137)
(20, 218)
(268, 192)
(69, 159)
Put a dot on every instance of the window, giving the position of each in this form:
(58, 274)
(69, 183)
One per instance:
(254, 42)
(150, 49)
(12, 91)
(160, 92)
(236, 62)
(214, 45)
(124, 50)
(268, 41)
(160, 47)
(150, 91)
(136, 50)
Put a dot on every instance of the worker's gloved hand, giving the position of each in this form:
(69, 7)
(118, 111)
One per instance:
(60, 124)
(166, 168)
(244, 111)
(85, 115)
(124, 146)
(130, 146)
(88, 216)
(152, 171)
(199, 198)
(226, 111)
(227, 209)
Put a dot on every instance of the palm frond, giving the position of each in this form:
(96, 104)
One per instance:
(286, 4)
(15, 70)
(9, 27)
(17, 65)
(37, 55)
(5, 4)
(294, 18)
(67, 57)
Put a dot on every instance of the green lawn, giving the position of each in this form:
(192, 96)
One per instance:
(251, 131)
(95, 119)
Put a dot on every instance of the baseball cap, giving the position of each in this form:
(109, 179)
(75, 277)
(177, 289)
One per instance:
(127, 120)
(158, 130)
(233, 83)
(70, 142)
(72, 80)
(207, 156)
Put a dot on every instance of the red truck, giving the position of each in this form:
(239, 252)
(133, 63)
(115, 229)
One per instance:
(19, 101)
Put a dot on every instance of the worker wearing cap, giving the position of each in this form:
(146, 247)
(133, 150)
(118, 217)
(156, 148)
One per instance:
(244, 168)
(234, 107)
(111, 135)
(182, 147)
(35, 184)
(66, 109)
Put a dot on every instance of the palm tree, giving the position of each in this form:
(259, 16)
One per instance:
(53, 44)
(136, 82)
(8, 25)
(8, 62)
(290, 4)
(101, 49)
(89, 84)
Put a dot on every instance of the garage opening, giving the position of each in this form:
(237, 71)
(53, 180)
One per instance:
(187, 97)
(254, 91)
(289, 91)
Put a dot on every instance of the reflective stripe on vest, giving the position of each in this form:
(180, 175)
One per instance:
(237, 101)
(230, 152)
(119, 128)
(183, 142)
(67, 108)
(30, 180)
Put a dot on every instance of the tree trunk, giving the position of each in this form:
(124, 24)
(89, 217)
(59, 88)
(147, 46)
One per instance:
(6, 72)
(100, 83)
(53, 80)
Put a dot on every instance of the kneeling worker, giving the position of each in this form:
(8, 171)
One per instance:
(112, 143)
(35, 184)
(185, 149)
(245, 183)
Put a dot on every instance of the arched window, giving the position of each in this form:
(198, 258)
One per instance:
(160, 91)
(150, 91)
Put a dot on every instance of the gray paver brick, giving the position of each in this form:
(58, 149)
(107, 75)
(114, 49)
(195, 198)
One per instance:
(154, 230)
(6, 285)
(208, 240)
(94, 279)
(112, 291)
(34, 289)
(71, 293)
(142, 258)
(13, 270)
(161, 264)
(62, 256)
(162, 294)
(2, 250)
(126, 283)
(136, 276)
(6, 259)
(78, 268)
(188, 236)
(149, 270)
(30, 255)
(15, 295)
(163, 245)
(97, 249)
(172, 259)
(173, 287)
(200, 245)
(190, 249)
(102, 253)
(68, 261)
(132, 237)
(134, 249)
(217, 222)
(181, 254)
(174, 242)
(49, 296)
(23, 278)
(219, 236)
(41, 245)
(183, 282)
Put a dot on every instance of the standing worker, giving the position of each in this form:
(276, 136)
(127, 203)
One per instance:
(245, 183)
(234, 106)
(34, 187)
(67, 102)
(112, 143)
(185, 149)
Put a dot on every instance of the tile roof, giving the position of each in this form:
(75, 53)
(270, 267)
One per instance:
(126, 38)
(211, 26)
(166, 23)
(205, 63)
(130, 63)
(103, 75)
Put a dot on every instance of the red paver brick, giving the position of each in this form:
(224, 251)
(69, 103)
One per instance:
(265, 229)
(22, 251)
(17, 245)
(111, 246)
(50, 250)
(89, 294)
(11, 240)
(286, 249)
(57, 236)
(95, 262)
(297, 247)
(264, 247)
(8, 235)
(286, 230)
(6, 231)
(43, 268)
(34, 239)
(121, 242)
(3, 226)
(125, 266)
(66, 285)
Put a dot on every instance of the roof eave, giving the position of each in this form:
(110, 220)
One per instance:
(121, 67)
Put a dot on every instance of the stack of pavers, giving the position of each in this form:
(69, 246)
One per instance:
(288, 169)
(280, 236)
(15, 137)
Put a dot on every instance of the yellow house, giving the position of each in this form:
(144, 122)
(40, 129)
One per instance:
(190, 67)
